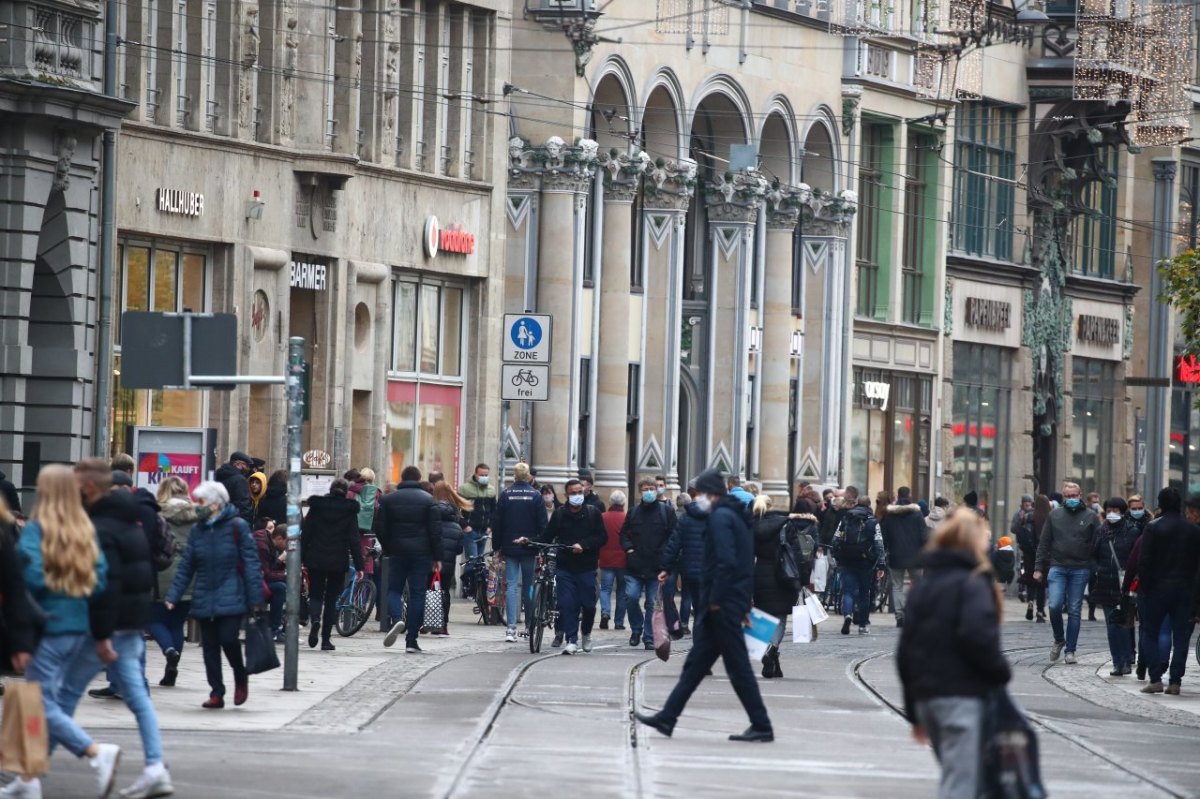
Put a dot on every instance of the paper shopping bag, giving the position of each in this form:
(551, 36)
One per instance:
(760, 633)
(802, 626)
(813, 606)
(24, 739)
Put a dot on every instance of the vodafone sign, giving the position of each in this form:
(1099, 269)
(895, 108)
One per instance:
(450, 239)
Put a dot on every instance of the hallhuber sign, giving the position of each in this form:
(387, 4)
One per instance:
(179, 201)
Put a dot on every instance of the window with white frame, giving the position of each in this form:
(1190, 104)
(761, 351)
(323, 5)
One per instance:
(150, 59)
(181, 64)
(209, 66)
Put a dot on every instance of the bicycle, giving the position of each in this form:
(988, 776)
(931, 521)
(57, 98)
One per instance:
(882, 592)
(543, 607)
(482, 579)
(356, 603)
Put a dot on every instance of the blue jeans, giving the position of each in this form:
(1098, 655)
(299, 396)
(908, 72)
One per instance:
(576, 599)
(63, 665)
(131, 682)
(1119, 641)
(166, 626)
(856, 592)
(688, 596)
(517, 568)
(1065, 586)
(608, 579)
(276, 600)
(635, 589)
(413, 572)
(473, 544)
(1171, 606)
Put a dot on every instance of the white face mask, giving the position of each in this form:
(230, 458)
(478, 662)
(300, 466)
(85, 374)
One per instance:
(575, 499)
(1113, 518)
(703, 503)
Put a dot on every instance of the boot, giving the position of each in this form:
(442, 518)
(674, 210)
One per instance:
(770, 662)
(1029, 612)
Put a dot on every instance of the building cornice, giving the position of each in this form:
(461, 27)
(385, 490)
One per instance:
(1099, 288)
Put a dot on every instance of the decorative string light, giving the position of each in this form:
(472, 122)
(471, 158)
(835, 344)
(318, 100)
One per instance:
(968, 84)
(860, 17)
(692, 17)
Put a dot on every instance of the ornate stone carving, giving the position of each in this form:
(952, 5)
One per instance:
(783, 206)
(560, 167)
(622, 174)
(291, 46)
(826, 214)
(62, 169)
(735, 196)
(670, 184)
(248, 79)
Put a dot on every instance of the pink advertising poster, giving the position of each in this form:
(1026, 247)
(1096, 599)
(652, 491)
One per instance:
(154, 466)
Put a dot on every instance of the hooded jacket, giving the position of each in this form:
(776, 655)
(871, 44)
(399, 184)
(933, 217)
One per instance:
(126, 549)
(146, 509)
(770, 594)
(647, 528)
(1068, 539)
(182, 516)
(950, 643)
(239, 490)
(1022, 531)
(222, 560)
(904, 534)
(256, 496)
(584, 526)
(728, 578)
(8, 492)
(64, 614)
(937, 515)
(450, 526)
(329, 539)
(483, 498)
(407, 523)
(684, 551)
(273, 505)
(520, 513)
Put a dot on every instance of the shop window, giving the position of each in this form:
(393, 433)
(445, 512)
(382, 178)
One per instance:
(890, 431)
(984, 170)
(157, 277)
(1183, 455)
(980, 422)
(1093, 404)
(427, 332)
(1095, 232)
(1189, 206)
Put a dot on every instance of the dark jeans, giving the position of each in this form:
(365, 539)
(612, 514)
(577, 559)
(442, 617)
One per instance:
(856, 592)
(689, 597)
(166, 626)
(276, 600)
(718, 634)
(413, 572)
(324, 588)
(1175, 605)
(1120, 639)
(576, 598)
(219, 635)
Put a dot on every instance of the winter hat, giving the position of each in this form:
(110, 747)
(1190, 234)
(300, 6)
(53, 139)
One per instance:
(924, 506)
(971, 498)
(241, 456)
(120, 478)
(710, 481)
(1005, 541)
(1027, 497)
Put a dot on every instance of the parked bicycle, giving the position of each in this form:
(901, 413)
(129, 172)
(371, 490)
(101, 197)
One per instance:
(543, 611)
(357, 600)
(482, 581)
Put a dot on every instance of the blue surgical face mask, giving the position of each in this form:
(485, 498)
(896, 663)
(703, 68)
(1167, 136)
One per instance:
(649, 496)
(1072, 503)
(482, 480)
(575, 499)
(661, 490)
(1138, 513)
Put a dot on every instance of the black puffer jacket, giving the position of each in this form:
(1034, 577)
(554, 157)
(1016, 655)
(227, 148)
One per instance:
(329, 537)
(238, 488)
(684, 551)
(645, 533)
(770, 595)
(904, 534)
(407, 523)
(1107, 588)
(273, 506)
(451, 526)
(131, 575)
(950, 644)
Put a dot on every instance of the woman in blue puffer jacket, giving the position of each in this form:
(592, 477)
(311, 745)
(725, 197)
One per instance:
(222, 560)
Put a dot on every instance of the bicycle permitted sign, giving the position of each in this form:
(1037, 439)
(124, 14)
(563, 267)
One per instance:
(525, 352)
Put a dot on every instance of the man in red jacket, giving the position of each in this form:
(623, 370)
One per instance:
(612, 563)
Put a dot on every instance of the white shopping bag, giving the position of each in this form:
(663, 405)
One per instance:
(802, 626)
(816, 612)
(760, 633)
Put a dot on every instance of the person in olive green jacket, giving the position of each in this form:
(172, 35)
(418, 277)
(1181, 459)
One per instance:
(483, 497)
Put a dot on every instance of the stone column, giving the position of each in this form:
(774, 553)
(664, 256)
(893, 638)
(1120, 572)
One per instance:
(733, 203)
(667, 193)
(775, 370)
(621, 176)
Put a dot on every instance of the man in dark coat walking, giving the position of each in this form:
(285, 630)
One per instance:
(233, 475)
(724, 608)
(409, 529)
(904, 534)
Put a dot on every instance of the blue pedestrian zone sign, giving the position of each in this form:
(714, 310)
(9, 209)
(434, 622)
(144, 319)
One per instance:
(527, 338)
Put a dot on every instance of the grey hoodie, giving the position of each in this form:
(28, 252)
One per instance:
(1068, 539)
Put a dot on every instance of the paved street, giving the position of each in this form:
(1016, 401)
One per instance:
(476, 717)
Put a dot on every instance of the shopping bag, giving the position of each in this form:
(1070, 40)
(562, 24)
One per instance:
(662, 635)
(760, 633)
(802, 626)
(1011, 768)
(260, 646)
(24, 739)
(812, 605)
(435, 608)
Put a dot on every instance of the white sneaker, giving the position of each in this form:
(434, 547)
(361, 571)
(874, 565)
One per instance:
(105, 763)
(397, 630)
(1070, 659)
(864, 630)
(570, 649)
(1056, 650)
(149, 786)
(19, 789)
(586, 643)
(510, 637)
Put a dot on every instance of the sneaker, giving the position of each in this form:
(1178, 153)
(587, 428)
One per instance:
(634, 637)
(19, 789)
(1070, 659)
(107, 692)
(604, 622)
(412, 648)
(1029, 612)
(441, 634)
(1041, 618)
(105, 763)
(149, 786)
(558, 640)
(1172, 689)
(585, 643)
(397, 630)
(619, 627)
(1056, 650)
(1153, 688)
(864, 630)
(649, 647)
(328, 646)
(570, 649)
(899, 622)
(846, 626)
(684, 629)
(510, 637)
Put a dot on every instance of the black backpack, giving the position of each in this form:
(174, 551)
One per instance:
(796, 547)
(162, 544)
(857, 541)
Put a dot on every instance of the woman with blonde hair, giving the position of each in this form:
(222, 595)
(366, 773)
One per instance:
(949, 655)
(64, 569)
(771, 595)
(166, 626)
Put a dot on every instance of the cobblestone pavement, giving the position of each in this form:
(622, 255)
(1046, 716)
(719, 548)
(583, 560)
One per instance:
(477, 717)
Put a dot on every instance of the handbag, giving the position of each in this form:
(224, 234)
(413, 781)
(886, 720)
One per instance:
(260, 645)
(24, 738)
(802, 625)
(1011, 767)
(435, 609)
(658, 623)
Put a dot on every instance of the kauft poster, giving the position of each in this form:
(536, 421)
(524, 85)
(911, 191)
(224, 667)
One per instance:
(153, 467)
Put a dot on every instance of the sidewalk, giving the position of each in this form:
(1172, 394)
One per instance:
(321, 676)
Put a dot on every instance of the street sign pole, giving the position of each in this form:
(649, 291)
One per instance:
(295, 422)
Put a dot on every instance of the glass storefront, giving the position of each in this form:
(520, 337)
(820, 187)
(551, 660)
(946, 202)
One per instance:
(890, 431)
(979, 424)
(1182, 448)
(1093, 404)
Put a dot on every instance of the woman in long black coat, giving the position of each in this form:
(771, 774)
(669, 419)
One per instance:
(770, 594)
(329, 543)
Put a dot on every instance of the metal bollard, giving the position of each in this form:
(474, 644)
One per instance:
(384, 603)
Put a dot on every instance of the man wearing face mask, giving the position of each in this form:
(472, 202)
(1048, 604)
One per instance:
(1139, 517)
(479, 491)
(580, 527)
(647, 528)
(725, 600)
(1064, 555)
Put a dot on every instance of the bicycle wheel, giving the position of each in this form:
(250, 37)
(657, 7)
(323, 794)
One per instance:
(537, 618)
(354, 614)
(481, 604)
